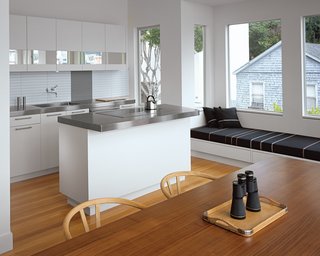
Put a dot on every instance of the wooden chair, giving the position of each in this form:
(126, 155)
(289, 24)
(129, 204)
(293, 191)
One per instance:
(171, 190)
(97, 203)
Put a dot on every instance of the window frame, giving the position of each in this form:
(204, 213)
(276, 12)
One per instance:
(138, 58)
(304, 74)
(229, 72)
(204, 65)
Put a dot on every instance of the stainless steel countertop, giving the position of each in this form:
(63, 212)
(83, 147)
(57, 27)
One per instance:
(93, 105)
(125, 118)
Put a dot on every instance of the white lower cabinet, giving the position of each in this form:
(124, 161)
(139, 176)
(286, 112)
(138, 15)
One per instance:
(50, 140)
(50, 137)
(25, 149)
(35, 142)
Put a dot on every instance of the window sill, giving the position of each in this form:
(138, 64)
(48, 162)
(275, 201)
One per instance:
(260, 112)
(311, 117)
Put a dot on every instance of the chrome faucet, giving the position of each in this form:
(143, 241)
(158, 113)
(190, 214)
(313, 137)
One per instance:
(53, 90)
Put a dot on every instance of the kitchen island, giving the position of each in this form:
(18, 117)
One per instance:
(122, 153)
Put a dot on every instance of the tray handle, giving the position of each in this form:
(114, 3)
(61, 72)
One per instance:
(273, 202)
(227, 224)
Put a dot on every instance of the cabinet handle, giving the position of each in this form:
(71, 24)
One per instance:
(77, 112)
(23, 118)
(49, 115)
(24, 128)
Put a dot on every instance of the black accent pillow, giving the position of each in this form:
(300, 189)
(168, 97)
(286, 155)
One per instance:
(227, 117)
(210, 116)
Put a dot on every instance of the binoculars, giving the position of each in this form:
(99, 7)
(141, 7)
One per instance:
(245, 185)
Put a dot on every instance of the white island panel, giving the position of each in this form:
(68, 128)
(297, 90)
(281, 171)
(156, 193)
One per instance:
(121, 163)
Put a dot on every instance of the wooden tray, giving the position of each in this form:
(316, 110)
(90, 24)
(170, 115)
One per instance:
(254, 221)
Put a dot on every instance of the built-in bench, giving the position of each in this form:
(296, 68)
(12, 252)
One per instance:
(245, 144)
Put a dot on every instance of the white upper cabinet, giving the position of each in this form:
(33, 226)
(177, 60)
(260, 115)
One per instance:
(18, 32)
(42, 44)
(41, 34)
(45, 44)
(18, 43)
(69, 35)
(115, 38)
(93, 37)
(69, 45)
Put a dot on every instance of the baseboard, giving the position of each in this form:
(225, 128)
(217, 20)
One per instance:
(6, 242)
(220, 159)
(33, 175)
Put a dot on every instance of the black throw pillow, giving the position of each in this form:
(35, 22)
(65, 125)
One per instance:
(227, 117)
(210, 116)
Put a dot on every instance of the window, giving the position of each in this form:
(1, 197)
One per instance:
(311, 96)
(149, 63)
(312, 65)
(199, 64)
(257, 95)
(255, 54)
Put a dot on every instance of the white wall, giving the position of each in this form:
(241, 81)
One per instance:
(104, 11)
(290, 13)
(195, 14)
(167, 14)
(5, 232)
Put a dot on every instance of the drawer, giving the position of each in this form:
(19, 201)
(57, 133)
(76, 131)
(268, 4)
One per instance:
(78, 111)
(24, 120)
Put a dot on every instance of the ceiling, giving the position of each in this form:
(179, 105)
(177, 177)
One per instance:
(216, 2)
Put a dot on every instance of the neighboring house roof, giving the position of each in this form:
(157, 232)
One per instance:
(312, 51)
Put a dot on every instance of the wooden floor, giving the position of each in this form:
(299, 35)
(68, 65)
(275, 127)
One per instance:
(38, 209)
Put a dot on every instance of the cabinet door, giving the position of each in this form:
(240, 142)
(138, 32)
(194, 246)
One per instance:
(115, 38)
(69, 45)
(25, 149)
(18, 32)
(42, 44)
(93, 37)
(18, 43)
(50, 140)
(69, 34)
(41, 33)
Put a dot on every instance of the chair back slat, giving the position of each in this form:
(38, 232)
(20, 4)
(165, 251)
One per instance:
(84, 220)
(98, 216)
(178, 185)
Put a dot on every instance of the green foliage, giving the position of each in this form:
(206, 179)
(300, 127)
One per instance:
(312, 28)
(314, 111)
(277, 108)
(263, 35)
(152, 36)
(198, 38)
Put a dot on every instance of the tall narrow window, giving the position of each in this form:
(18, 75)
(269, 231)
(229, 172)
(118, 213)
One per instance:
(257, 95)
(149, 63)
(199, 64)
(255, 54)
(312, 65)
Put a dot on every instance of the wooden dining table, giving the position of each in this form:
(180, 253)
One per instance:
(176, 227)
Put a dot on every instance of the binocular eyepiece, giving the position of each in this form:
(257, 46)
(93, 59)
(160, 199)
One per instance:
(245, 185)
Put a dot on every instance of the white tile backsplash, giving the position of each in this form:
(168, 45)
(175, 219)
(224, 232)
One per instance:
(111, 83)
(33, 85)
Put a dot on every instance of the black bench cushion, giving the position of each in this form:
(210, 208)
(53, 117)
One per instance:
(276, 142)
